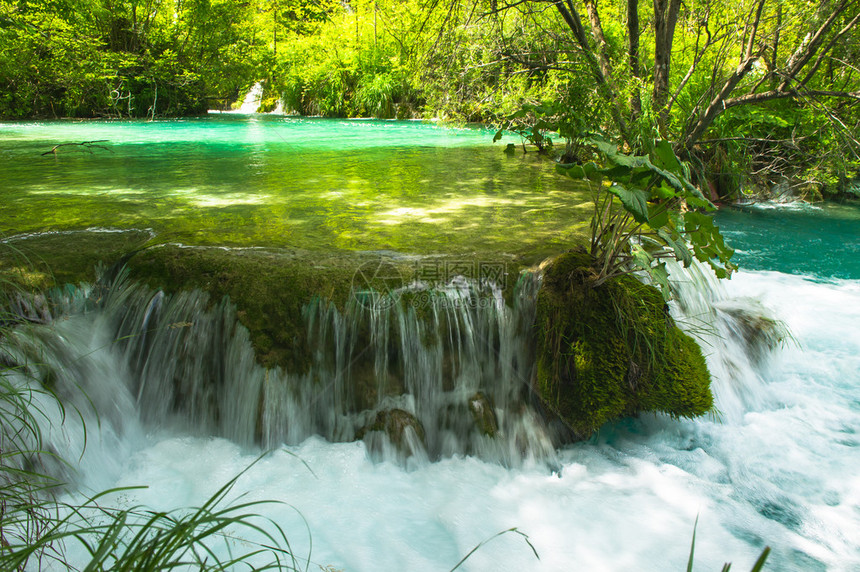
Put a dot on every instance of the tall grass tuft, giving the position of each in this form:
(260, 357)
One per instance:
(757, 566)
(215, 536)
(38, 531)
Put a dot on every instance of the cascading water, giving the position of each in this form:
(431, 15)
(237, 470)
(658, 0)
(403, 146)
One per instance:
(452, 364)
(182, 406)
(250, 103)
(739, 334)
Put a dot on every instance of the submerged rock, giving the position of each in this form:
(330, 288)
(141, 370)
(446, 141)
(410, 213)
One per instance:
(484, 414)
(612, 351)
(755, 326)
(403, 431)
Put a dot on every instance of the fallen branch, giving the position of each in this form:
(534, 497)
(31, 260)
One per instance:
(88, 145)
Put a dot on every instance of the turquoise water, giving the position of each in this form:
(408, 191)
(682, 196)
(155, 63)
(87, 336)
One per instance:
(820, 240)
(287, 182)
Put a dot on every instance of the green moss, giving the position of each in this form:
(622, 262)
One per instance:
(43, 261)
(612, 351)
(269, 288)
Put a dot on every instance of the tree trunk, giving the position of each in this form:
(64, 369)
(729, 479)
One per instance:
(599, 38)
(574, 22)
(633, 56)
(665, 18)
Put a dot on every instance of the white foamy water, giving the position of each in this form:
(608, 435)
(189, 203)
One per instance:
(779, 468)
(250, 103)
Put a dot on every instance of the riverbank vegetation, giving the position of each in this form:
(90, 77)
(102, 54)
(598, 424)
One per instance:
(760, 94)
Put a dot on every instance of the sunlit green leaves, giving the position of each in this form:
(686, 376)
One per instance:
(659, 217)
(635, 200)
(708, 244)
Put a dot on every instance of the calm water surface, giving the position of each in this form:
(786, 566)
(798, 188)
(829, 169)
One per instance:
(274, 181)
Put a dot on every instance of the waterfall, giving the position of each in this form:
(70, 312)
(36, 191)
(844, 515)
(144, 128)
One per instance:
(279, 108)
(418, 373)
(149, 380)
(250, 103)
(737, 334)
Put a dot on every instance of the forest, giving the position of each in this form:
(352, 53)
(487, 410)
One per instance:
(757, 95)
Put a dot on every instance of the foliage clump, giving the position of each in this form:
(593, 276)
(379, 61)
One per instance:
(612, 351)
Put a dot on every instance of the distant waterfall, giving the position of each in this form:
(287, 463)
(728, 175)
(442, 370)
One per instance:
(251, 102)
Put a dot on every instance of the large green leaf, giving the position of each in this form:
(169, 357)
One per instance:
(635, 201)
(708, 244)
(608, 148)
(674, 174)
(666, 157)
(659, 274)
(588, 171)
(678, 245)
(658, 216)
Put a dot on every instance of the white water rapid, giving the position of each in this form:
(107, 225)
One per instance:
(177, 393)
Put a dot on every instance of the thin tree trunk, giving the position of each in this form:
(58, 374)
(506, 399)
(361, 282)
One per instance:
(574, 23)
(633, 56)
(665, 18)
(599, 38)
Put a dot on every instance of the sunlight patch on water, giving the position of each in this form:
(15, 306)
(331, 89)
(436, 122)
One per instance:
(449, 206)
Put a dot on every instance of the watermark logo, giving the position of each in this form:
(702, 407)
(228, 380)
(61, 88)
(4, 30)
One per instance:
(437, 273)
(374, 283)
(382, 283)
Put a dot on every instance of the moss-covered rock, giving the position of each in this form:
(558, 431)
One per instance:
(756, 328)
(41, 261)
(612, 351)
(484, 414)
(403, 430)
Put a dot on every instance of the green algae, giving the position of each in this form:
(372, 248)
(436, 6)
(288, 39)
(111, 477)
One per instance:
(613, 351)
(46, 260)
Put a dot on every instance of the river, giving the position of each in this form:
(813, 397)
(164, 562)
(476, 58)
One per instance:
(776, 464)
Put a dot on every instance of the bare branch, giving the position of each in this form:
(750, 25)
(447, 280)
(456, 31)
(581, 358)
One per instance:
(799, 59)
(751, 42)
(88, 145)
(795, 65)
(776, 94)
(827, 49)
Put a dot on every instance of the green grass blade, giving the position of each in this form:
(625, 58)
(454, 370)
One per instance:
(692, 546)
(759, 564)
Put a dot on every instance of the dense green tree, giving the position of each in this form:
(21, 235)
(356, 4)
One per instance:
(686, 72)
(121, 57)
